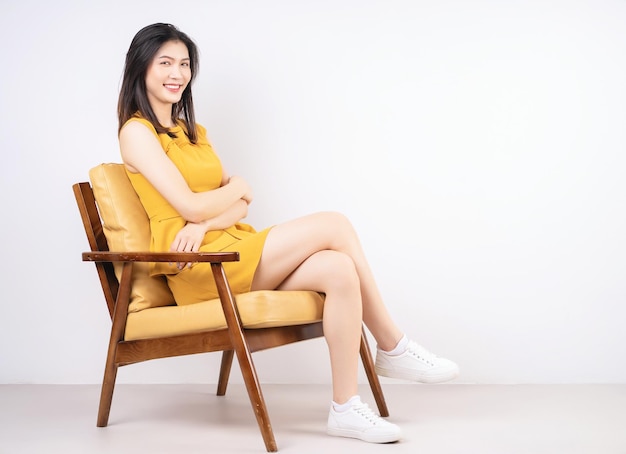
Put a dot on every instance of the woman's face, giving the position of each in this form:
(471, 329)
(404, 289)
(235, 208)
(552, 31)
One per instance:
(168, 75)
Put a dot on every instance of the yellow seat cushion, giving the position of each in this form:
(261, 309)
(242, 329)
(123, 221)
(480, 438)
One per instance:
(258, 309)
(152, 311)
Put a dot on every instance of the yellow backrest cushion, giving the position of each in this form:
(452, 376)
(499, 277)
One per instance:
(127, 228)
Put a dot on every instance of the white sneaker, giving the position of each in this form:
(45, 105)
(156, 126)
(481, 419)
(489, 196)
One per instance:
(416, 364)
(362, 423)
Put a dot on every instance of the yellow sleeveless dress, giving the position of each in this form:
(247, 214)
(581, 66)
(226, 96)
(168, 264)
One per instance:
(202, 170)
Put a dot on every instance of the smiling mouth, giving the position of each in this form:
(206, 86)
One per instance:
(172, 86)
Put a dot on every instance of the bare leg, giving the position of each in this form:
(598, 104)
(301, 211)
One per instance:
(334, 274)
(322, 252)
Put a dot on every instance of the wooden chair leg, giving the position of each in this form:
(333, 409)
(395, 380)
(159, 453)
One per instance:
(368, 364)
(227, 362)
(256, 398)
(106, 395)
(117, 335)
(244, 357)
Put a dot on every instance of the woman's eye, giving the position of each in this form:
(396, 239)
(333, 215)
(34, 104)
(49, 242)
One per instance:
(165, 62)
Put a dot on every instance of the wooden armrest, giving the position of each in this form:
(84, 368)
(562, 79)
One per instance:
(172, 257)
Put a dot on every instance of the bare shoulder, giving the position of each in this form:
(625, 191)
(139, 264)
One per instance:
(135, 129)
(137, 142)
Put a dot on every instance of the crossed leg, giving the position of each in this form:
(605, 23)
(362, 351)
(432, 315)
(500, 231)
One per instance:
(322, 252)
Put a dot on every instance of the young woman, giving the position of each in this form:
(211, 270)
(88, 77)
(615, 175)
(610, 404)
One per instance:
(194, 205)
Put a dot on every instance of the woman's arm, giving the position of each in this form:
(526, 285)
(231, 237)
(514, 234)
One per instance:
(189, 238)
(226, 180)
(235, 213)
(142, 153)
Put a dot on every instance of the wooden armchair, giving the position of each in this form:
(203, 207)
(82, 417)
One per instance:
(146, 322)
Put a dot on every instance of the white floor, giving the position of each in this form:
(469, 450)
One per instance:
(436, 419)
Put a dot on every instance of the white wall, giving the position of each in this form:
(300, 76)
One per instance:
(478, 147)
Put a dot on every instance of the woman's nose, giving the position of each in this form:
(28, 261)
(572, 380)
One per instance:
(175, 72)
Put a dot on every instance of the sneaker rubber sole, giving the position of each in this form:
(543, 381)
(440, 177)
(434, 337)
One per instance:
(368, 437)
(412, 375)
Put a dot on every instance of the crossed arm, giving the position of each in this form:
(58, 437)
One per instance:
(210, 210)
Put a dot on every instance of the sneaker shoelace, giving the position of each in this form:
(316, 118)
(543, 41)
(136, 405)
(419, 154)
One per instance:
(363, 410)
(421, 353)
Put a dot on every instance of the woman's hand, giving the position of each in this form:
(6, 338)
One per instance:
(189, 239)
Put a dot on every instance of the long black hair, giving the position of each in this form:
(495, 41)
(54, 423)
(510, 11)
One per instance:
(133, 97)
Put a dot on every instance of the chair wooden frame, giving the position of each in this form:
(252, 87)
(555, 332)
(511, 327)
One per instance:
(233, 340)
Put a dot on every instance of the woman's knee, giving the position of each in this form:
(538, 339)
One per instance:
(336, 218)
(339, 270)
(338, 228)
